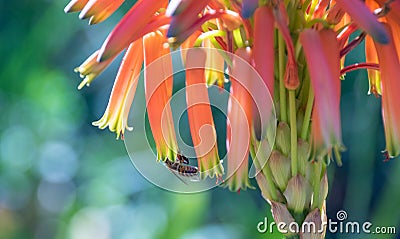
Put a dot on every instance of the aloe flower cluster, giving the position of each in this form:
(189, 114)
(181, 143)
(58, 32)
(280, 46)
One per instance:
(297, 47)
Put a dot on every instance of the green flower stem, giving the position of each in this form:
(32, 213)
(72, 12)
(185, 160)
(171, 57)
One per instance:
(237, 36)
(317, 20)
(297, 48)
(307, 114)
(316, 167)
(282, 90)
(209, 34)
(293, 132)
(208, 25)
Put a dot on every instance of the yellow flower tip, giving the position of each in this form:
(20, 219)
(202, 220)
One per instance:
(81, 85)
(237, 184)
(217, 171)
(103, 121)
(86, 82)
(114, 124)
(120, 135)
(90, 69)
(210, 165)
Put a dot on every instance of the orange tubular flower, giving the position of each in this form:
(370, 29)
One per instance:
(239, 124)
(263, 47)
(389, 66)
(263, 58)
(188, 43)
(90, 69)
(126, 30)
(201, 121)
(95, 6)
(122, 94)
(158, 91)
(365, 19)
(96, 10)
(105, 13)
(322, 53)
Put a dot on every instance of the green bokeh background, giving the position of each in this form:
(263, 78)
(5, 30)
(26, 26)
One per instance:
(62, 178)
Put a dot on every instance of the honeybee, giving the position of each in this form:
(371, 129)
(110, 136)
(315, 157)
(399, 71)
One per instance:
(181, 166)
(182, 159)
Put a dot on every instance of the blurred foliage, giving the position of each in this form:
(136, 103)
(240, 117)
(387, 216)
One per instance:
(62, 178)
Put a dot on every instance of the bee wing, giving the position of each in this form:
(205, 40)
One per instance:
(176, 175)
(195, 178)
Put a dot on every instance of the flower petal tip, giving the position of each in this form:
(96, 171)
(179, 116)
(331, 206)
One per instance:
(83, 84)
(75, 6)
(83, 16)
